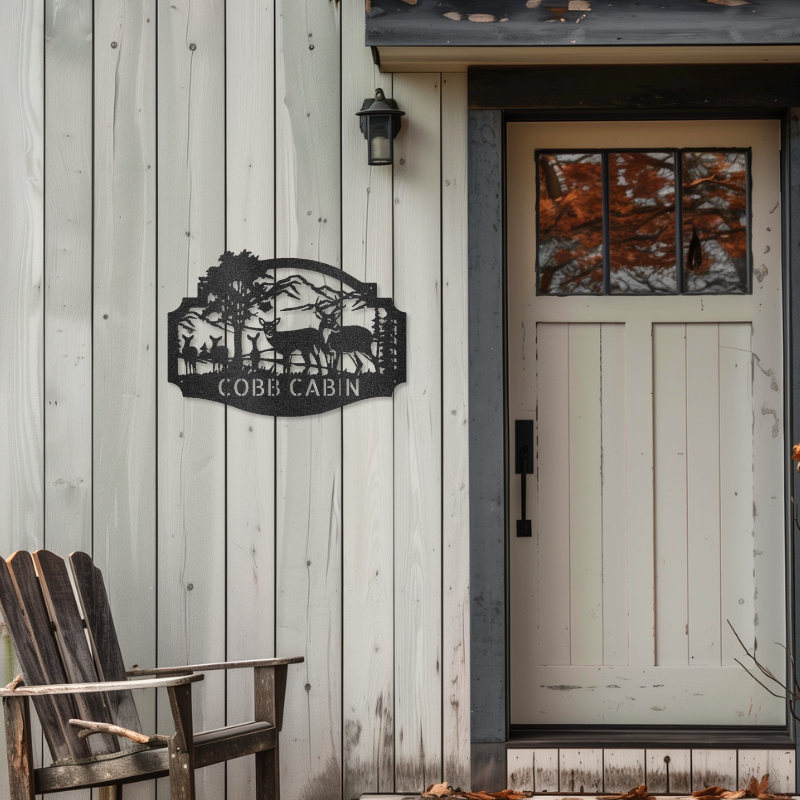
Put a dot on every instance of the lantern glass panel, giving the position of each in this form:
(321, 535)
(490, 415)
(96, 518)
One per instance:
(380, 139)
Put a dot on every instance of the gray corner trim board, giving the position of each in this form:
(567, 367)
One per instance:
(487, 429)
(552, 23)
(488, 766)
(791, 236)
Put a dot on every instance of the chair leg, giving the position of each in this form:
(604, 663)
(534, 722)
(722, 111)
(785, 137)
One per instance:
(268, 786)
(181, 774)
(181, 745)
(111, 792)
(18, 748)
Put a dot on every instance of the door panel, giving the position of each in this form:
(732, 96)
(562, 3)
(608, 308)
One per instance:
(657, 502)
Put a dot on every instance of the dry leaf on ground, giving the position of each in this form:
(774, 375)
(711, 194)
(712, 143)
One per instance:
(439, 790)
(639, 793)
(755, 788)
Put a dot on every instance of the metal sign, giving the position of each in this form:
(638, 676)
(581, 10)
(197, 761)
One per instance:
(285, 337)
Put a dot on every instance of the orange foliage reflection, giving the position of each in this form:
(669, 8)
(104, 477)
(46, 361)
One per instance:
(715, 220)
(570, 223)
(642, 222)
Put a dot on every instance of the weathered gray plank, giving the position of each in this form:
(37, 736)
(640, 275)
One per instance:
(46, 668)
(68, 275)
(580, 771)
(713, 768)
(520, 770)
(623, 769)
(226, 665)
(103, 637)
(367, 456)
(51, 713)
(153, 762)
(545, 770)
(76, 657)
(22, 301)
(124, 331)
(68, 351)
(668, 771)
(418, 431)
(19, 749)
(455, 435)
(191, 434)
(250, 182)
(308, 450)
(181, 748)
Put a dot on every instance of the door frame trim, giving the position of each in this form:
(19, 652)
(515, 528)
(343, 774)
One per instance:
(489, 662)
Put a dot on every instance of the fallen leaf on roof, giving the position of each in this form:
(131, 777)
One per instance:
(729, 2)
(533, 3)
(453, 15)
(479, 17)
(410, 2)
(579, 5)
(639, 793)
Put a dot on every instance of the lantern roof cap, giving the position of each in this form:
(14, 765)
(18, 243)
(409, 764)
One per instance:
(380, 105)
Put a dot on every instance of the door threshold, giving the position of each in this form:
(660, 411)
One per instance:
(604, 736)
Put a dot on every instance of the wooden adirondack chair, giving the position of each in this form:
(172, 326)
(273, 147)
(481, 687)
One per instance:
(83, 698)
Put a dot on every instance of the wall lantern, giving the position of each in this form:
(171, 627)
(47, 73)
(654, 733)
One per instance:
(380, 123)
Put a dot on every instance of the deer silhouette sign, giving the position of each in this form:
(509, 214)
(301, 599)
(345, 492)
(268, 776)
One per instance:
(285, 337)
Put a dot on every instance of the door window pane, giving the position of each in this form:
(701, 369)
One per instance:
(643, 222)
(714, 184)
(570, 219)
(642, 229)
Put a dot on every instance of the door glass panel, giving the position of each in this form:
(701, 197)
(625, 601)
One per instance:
(642, 228)
(570, 219)
(714, 184)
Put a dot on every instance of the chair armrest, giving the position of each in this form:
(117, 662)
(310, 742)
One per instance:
(264, 662)
(107, 686)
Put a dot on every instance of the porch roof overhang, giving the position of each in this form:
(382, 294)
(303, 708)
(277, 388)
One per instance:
(416, 35)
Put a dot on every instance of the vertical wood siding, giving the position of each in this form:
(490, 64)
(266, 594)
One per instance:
(250, 466)
(171, 132)
(124, 327)
(22, 317)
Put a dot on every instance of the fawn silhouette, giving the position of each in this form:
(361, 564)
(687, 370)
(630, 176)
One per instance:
(219, 354)
(255, 353)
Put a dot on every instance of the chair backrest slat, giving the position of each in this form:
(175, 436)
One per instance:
(94, 603)
(73, 645)
(25, 613)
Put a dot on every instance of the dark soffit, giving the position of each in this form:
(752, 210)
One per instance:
(646, 87)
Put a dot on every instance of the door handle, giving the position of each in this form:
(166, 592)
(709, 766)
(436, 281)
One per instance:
(523, 462)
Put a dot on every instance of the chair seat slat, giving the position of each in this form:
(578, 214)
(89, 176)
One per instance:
(94, 603)
(38, 653)
(73, 646)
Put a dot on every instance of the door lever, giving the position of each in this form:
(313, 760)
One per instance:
(523, 462)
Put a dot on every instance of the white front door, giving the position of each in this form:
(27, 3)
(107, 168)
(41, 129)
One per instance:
(657, 499)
